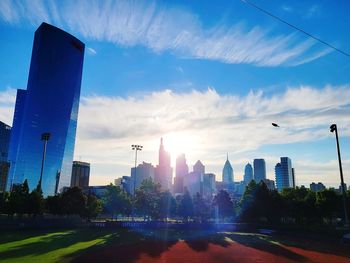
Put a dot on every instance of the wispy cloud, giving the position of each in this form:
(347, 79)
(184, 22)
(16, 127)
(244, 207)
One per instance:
(91, 51)
(212, 123)
(166, 29)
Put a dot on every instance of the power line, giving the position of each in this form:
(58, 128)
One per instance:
(295, 27)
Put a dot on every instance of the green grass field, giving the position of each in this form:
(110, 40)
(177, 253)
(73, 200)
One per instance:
(90, 245)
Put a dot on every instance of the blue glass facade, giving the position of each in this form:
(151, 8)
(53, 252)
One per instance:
(50, 104)
(5, 132)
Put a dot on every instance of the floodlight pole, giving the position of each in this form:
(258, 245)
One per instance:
(135, 148)
(333, 128)
(44, 137)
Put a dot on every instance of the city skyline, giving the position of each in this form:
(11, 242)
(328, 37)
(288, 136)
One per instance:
(139, 85)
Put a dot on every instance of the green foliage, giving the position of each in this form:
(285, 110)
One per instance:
(328, 203)
(201, 208)
(167, 205)
(17, 201)
(94, 206)
(73, 201)
(224, 203)
(147, 199)
(116, 202)
(185, 206)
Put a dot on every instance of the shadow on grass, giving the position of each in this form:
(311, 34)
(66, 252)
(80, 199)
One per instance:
(122, 245)
(45, 242)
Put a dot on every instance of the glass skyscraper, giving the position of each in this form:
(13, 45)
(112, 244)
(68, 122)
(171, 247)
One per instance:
(284, 174)
(50, 104)
(259, 170)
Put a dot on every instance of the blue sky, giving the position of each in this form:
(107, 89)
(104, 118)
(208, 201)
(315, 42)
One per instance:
(209, 78)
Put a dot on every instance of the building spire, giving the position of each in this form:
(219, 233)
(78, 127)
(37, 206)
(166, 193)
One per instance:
(161, 141)
(227, 156)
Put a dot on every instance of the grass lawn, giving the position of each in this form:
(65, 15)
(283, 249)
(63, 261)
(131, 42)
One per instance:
(107, 245)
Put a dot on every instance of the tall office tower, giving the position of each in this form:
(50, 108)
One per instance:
(49, 105)
(181, 171)
(198, 167)
(5, 133)
(227, 172)
(209, 186)
(259, 170)
(248, 174)
(164, 172)
(80, 175)
(144, 171)
(293, 177)
(283, 173)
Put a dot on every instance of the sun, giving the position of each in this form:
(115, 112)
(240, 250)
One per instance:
(179, 142)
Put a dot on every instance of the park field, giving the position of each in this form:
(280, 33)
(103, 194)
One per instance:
(128, 246)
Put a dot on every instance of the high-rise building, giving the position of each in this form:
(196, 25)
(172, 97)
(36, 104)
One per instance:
(317, 187)
(293, 178)
(259, 170)
(248, 174)
(209, 186)
(283, 173)
(164, 172)
(193, 182)
(80, 174)
(198, 167)
(49, 105)
(181, 171)
(5, 132)
(270, 184)
(144, 171)
(227, 172)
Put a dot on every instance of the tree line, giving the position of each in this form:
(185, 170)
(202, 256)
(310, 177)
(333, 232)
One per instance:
(258, 204)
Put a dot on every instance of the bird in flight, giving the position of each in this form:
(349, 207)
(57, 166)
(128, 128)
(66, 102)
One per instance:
(275, 125)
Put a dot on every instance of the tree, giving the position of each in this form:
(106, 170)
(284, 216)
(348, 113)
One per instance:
(167, 205)
(54, 205)
(4, 202)
(147, 199)
(185, 206)
(327, 202)
(201, 208)
(115, 201)
(224, 203)
(36, 202)
(73, 201)
(18, 199)
(93, 206)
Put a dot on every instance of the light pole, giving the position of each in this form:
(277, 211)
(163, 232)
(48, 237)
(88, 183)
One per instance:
(135, 147)
(333, 128)
(44, 137)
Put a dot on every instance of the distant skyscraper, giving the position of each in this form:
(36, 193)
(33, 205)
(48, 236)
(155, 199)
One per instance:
(227, 173)
(283, 173)
(5, 132)
(193, 182)
(209, 186)
(293, 177)
(259, 170)
(199, 167)
(248, 173)
(270, 184)
(50, 104)
(164, 172)
(144, 171)
(181, 172)
(80, 174)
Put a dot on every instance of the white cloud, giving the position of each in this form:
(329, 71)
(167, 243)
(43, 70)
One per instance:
(212, 123)
(91, 51)
(7, 102)
(163, 28)
(208, 125)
